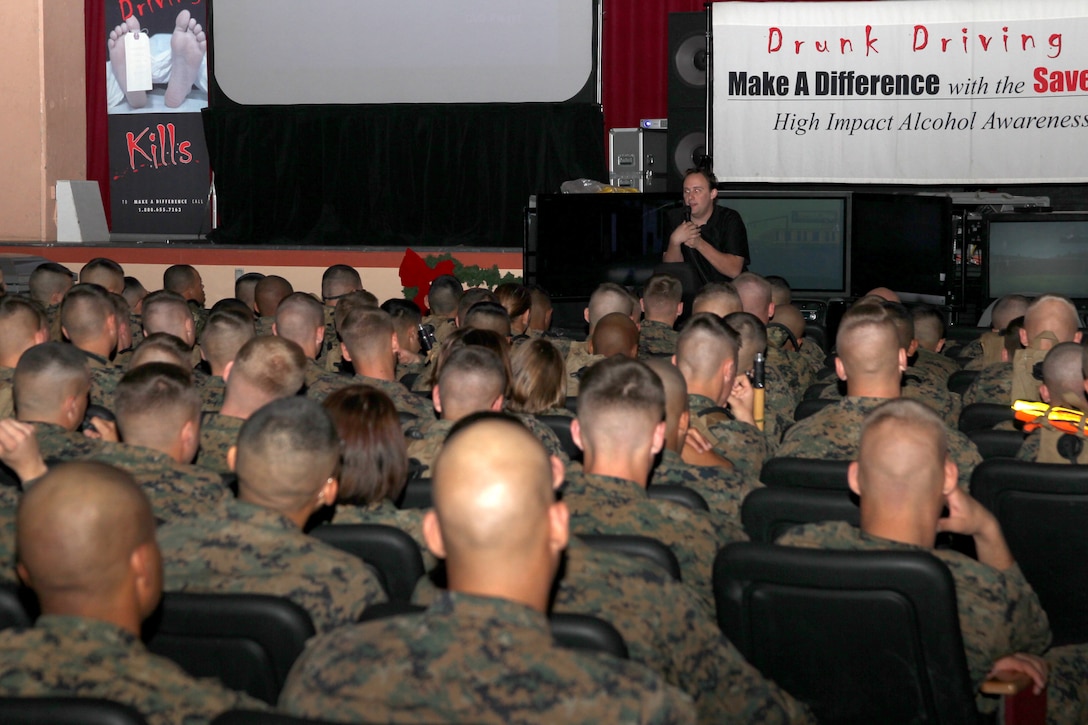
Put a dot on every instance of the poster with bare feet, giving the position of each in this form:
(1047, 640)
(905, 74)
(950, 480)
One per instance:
(156, 80)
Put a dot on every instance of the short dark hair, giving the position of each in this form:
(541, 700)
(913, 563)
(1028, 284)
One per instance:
(621, 384)
(338, 280)
(444, 294)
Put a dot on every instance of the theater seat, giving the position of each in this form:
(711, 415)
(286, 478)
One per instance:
(418, 494)
(858, 636)
(1042, 509)
(977, 416)
(960, 381)
(391, 552)
(560, 425)
(642, 547)
(66, 711)
(993, 443)
(810, 406)
(18, 606)
(767, 513)
(805, 473)
(247, 641)
(678, 494)
(573, 631)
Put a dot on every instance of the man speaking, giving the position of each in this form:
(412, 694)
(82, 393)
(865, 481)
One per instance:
(710, 238)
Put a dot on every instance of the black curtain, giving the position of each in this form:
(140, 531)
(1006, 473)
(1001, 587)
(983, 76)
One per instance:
(394, 175)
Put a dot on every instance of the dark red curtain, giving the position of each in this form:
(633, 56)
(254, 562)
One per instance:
(635, 56)
(98, 160)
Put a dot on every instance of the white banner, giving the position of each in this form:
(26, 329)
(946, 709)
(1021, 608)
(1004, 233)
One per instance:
(926, 91)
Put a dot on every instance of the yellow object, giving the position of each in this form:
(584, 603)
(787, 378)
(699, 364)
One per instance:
(1065, 419)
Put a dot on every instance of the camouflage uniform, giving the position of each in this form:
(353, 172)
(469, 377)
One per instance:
(578, 359)
(723, 490)
(998, 610)
(782, 388)
(320, 383)
(1029, 449)
(212, 390)
(971, 351)
(993, 385)
(425, 440)
(443, 326)
(814, 355)
(834, 434)
(472, 659)
(656, 339)
(242, 548)
(104, 379)
(939, 364)
(665, 629)
(609, 505)
(263, 325)
(920, 386)
(778, 340)
(58, 444)
(742, 443)
(384, 512)
(329, 355)
(403, 399)
(9, 505)
(63, 656)
(7, 388)
(545, 435)
(218, 434)
(176, 490)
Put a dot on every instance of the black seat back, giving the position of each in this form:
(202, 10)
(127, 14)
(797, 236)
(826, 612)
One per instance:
(247, 641)
(418, 494)
(1043, 510)
(642, 547)
(960, 381)
(811, 405)
(585, 632)
(18, 606)
(767, 513)
(860, 637)
(678, 494)
(983, 415)
(66, 711)
(573, 631)
(805, 473)
(560, 425)
(993, 443)
(392, 552)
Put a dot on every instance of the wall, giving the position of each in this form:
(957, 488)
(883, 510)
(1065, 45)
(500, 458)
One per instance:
(43, 125)
(219, 266)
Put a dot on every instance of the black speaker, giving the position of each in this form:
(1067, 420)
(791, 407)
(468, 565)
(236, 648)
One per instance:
(687, 95)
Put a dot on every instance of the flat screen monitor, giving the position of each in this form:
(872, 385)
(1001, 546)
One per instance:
(903, 242)
(1034, 254)
(799, 236)
(583, 240)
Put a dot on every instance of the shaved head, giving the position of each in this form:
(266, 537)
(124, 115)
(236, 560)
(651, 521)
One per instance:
(493, 488)
(868, 343)
(615, 334)
(51, 384)
(704, 344)
(903, 464)
(753, 338)
(265, 368)
(717, 298)
(676, 391)
(301, 319)
(791, 318)
(166, 311)
(105, 273)
(1063, 375)
(1007, 309)
(1053, 314)
(78, 527)
(472, 379)
(609, 298)
(883, 293)
(287, 451)
(268, 294)
(755, 295)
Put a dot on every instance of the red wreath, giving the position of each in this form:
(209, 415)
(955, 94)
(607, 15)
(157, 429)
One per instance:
(414, 272)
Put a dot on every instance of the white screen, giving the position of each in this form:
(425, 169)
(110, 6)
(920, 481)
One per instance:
(405, 51)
